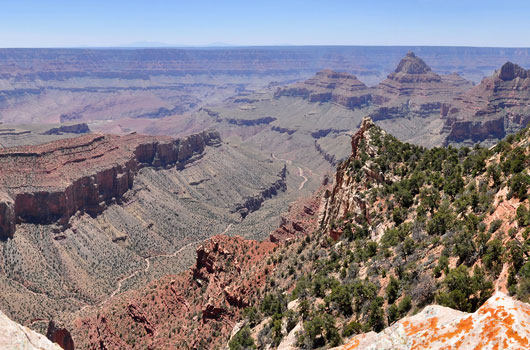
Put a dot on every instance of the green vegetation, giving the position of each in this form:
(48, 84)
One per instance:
(430, 234)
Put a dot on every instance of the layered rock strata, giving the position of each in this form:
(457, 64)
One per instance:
(413, 88)
(328, 86)
(51, 182)
(497, 106)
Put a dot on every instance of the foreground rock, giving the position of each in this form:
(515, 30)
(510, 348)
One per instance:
(16, 337)
(501, 323)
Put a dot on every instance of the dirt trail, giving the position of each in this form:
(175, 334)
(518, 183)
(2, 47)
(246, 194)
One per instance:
(148, 264)
(301, 174)
(300, 170)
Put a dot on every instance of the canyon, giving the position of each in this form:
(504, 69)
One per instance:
(195, 198)
(90, 217)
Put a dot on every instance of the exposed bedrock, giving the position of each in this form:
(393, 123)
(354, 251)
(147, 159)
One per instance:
(83, 174)
(328, 86)
(499, 105)
(253, 203)
(80, 128)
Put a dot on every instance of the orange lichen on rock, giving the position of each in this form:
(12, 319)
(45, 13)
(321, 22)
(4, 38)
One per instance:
(501, 323)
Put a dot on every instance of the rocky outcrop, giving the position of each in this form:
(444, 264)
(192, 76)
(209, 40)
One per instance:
(501, 323)
(81, 128)
(283, 130)
(51, 182)
(413, 89)
(499, 105)
(253, 203)
(14, 336)
(60, 335)
(344, 197)
(250, 122)
(301, 218)
(328, 86)
(194, 310)
(330, 158)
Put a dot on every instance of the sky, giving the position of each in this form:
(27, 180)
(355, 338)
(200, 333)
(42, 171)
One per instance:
(110, 23)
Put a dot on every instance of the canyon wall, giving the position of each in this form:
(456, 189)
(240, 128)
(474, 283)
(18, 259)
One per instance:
(51, 182)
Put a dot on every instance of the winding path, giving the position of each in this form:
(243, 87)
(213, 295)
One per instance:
(300, 170)
(148, 265)
(301, 174)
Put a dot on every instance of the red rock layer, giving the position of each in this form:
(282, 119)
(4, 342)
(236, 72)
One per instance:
(195, 310)
(51, 182)
(499, 105)
(302, 217)
(329, 86)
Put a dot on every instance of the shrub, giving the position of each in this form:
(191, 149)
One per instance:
(392, 290)
(242, 340)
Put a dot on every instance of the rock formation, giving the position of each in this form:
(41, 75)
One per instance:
(328, 86)
(16, 337)
(344, 197)
(501, 323)
(497, 106)
(414, 89)
(194, 310)
(81, 128)
(51, 182)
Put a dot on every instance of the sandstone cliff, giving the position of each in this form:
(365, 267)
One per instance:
(51, 182)
(328, 86)
(414, 90)
(499, 105)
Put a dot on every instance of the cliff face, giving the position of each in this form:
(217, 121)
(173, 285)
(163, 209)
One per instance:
(501, 323)
(497, 106)
(344, 197)
(51, 182)
(253, 203)
(328, 86)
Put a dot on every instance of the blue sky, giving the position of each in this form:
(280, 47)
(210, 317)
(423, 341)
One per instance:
(61, 23)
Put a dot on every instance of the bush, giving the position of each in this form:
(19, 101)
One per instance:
(242, 340)
(341, 297)
(493, 256)
(376, 315)
(523, 218)
(464, 292)
(441, 221)
(519, 186)
(392, 290)
(352, 328)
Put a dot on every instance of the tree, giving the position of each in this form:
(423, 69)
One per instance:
(392, 290)
(242, 340)
(376, 315)
(441, 221)
(523, 218)
(493, 256)
(464, 292)
(519, 186)
(342, 298)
